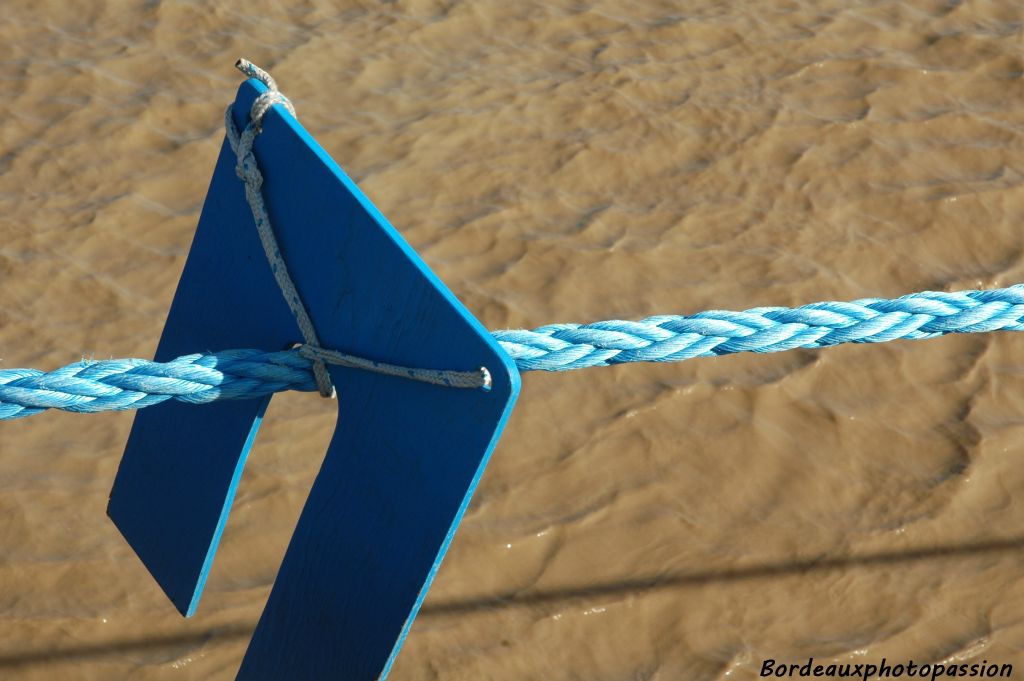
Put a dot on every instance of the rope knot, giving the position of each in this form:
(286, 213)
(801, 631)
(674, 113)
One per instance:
(245, 170)
(269, 98)
(248, 171)
(263, 104)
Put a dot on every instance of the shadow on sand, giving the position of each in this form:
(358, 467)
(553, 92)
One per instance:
(641, 585)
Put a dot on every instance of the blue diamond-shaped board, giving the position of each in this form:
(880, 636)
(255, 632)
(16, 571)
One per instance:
(405, 456)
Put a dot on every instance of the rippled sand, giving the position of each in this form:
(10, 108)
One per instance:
(568, 161)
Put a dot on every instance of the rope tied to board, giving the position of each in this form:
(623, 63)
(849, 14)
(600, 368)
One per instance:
(93, 386)
(248, 171)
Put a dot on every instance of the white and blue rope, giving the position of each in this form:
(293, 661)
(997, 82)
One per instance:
(92, 386)
(670, 338)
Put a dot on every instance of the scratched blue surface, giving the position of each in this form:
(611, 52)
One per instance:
(405, 456)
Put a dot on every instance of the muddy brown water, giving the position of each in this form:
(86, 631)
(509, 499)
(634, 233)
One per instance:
(561, 161)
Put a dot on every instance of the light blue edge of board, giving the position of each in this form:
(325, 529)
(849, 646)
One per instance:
(515, 385)
(229, 501)
(515, 381)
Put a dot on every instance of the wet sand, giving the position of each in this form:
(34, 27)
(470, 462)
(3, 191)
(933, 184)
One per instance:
(569, 161)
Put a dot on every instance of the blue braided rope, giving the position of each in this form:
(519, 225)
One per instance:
(92, 386)
(672, 338)
(116, 384)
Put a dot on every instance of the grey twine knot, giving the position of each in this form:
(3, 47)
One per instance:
(249, 172)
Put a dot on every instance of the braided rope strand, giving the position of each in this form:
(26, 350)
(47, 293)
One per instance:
(93, 386)
(672, 338)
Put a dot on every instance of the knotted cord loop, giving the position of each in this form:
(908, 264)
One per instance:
(269, 98)
(481, 378)
(249, 172)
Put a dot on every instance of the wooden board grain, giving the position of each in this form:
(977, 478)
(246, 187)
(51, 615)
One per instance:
(405, 456)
